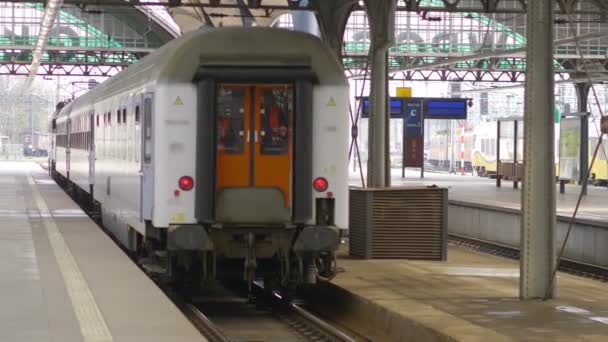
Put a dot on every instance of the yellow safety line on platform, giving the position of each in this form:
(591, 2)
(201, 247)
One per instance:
(92, 324)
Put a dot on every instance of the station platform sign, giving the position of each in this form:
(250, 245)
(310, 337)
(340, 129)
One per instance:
(413, 111)
(432, 108)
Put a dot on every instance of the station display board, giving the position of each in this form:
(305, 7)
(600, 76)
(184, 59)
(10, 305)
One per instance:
(395, 103)
(446, 109)
(413, 153)
(569, 148)
(413, 111)
(433, 108)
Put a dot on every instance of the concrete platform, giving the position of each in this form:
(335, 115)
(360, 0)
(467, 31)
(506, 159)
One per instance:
(471, 297)
(481, 190)
(478, 209)
(63, 279)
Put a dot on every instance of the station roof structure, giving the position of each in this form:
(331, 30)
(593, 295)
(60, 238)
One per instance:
(459, 40)
(86, 40)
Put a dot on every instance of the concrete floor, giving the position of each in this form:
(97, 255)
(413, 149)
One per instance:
(63, 279)
(471, 297)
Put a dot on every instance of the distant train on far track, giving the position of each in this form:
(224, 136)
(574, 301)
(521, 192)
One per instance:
(35, 144)
(483, 154)
(222, 154)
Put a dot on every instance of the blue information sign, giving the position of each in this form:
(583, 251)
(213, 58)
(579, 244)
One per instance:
(396, 107)
(445, 109)
(413, 117)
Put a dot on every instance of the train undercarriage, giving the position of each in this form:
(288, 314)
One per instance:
(191, 256)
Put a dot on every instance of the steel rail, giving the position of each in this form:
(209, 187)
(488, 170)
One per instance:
(203, 324)
(320, 324)
(566, 265)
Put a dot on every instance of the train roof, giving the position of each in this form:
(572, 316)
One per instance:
(179, 60)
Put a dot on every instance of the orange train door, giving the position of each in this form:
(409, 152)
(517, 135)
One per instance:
(233, 137)
(273, 150)
(254, 140)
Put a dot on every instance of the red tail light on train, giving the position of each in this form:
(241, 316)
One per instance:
(186, 183)
(320, 184)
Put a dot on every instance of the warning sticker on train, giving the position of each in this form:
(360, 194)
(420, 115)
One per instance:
(331, 102)
(178, 101)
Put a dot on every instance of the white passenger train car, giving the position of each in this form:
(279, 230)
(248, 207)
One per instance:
(224, 145)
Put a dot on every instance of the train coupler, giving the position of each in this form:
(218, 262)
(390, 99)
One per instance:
(251, 264)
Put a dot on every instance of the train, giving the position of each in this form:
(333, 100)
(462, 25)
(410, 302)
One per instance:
(441, 148)
(221, 155)
(480, 148)
(35, 144)
(484, 149)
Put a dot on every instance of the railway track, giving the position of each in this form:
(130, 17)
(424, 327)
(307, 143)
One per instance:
(228, 317)
(566, 265)
(203, 324)
(222, 316)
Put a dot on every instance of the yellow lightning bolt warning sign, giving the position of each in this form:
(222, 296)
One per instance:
(331, 102)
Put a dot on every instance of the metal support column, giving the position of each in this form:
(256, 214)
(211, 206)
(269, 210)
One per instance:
(381, 14)
(515, 138)
(378, 120)
(538, 197)
(498, 175)
(584, 152)
(582, 93)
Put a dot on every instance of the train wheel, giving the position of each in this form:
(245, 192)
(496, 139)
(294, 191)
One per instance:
(177, 275)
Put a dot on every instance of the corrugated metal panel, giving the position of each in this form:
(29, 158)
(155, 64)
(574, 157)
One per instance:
(403, 223)
(357, 224)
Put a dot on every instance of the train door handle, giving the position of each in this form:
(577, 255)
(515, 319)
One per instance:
(248, 136)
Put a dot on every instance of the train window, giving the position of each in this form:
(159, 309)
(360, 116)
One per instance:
(137, 114)
(118, 117)
(109, 118)
(124, 116)
(148, 130)
(230, 120)
(275, 112)
(97, 120)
